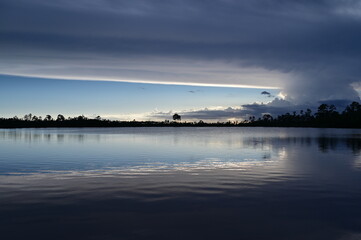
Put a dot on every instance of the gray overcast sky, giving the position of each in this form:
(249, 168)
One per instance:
(309, 49)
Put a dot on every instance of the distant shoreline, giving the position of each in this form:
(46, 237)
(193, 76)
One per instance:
(325, 117)
(115, 124)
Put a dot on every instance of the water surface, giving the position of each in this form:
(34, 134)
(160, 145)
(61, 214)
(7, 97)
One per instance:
(180, 183)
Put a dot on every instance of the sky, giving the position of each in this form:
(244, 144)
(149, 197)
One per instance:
(147, 59)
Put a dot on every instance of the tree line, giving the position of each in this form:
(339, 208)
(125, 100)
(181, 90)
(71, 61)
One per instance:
(326, 116)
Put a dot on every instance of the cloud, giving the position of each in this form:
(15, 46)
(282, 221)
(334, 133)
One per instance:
(275, 107)
(308, 48)
(268, 94)
(243, 112)
(194, 91)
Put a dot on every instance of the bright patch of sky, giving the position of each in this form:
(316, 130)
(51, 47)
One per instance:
(115, 100)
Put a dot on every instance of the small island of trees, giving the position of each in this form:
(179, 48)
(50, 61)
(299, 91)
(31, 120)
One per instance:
(326, 116)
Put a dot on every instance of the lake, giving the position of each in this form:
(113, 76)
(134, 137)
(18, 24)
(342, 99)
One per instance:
(180, 183)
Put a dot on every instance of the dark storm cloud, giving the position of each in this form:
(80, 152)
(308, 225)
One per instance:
(275, 108)
(316, 43)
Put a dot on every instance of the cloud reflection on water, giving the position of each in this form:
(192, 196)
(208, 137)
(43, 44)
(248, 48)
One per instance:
(192, 183)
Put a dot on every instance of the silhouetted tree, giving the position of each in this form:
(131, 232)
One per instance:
(48, 118)
(354, 107)
(28, 117)
(81, 118)
(60, 118)
(252, 118)
(267, 117)
(327, 115)
(352, 114)
(176, 117)
(325, 110)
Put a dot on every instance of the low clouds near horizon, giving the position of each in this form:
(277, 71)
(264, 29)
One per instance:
(309, 49)
(275, 107)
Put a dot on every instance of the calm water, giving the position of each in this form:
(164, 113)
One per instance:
(180, 183)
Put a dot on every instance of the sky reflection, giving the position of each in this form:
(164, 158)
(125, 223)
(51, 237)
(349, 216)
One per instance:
(194, 183)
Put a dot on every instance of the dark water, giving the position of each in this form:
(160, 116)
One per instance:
(180, 183)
